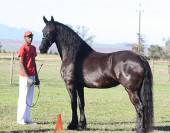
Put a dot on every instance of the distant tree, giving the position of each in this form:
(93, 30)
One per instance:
(156, 52)
(134, 47)
(0, 47)
(55, 53)
(82, 31)
(167, 48)
(4, 51)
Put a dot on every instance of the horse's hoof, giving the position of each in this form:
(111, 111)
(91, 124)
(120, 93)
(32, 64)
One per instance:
(141, 131)
(72, 126)
(82, 125)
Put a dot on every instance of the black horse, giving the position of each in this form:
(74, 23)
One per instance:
(83, 67)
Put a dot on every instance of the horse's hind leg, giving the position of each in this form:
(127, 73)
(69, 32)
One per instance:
(80, 93)
(134, 97)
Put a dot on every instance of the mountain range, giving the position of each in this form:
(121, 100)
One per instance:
(11, 38)
(16, 33)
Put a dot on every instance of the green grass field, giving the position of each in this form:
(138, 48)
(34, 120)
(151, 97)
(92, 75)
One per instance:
(107, 110)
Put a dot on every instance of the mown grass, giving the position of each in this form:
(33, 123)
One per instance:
(107, 110)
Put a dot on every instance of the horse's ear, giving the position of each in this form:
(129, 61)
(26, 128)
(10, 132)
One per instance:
(45, 20)
(52, 19)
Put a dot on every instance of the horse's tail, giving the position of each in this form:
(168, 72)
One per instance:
(147, 97)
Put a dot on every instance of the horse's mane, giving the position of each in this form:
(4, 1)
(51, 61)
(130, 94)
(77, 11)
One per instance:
(70, 41)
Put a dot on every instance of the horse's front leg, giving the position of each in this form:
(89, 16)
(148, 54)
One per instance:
(73, 96)
(80, 93)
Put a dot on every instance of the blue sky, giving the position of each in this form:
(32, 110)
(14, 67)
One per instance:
(111, 21)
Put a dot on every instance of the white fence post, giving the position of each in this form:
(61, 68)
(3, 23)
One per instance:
(12, 68)
(169, 70)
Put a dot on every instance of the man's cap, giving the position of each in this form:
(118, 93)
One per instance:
(27, 33)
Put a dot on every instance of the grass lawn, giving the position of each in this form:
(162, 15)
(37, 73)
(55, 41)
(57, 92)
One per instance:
(107, 110)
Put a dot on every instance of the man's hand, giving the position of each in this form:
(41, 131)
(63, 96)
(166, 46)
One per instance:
(37, 81)
(30, 81)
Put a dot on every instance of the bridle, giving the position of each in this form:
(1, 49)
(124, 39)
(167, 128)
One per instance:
(48, 39)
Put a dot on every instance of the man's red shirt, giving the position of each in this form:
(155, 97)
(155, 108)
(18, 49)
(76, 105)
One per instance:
(28, 53)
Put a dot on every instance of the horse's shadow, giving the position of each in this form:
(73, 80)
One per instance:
(46, 123)
(162, 128)
(107, 129)
(30, 131)
(158, 128)
(112, 123)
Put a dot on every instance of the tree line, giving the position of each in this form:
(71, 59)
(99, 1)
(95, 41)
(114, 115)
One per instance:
(154, 51)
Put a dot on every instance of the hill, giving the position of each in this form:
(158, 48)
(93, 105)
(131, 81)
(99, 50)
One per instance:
(11, 38)
(15, 33)
(14, 44)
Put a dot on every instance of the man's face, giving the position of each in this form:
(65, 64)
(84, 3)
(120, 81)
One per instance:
(28, 39)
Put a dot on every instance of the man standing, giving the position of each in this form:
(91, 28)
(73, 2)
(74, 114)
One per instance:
(28, 74)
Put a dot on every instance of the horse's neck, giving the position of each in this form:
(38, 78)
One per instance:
(59, 51)
(69, 51)
(70, 45)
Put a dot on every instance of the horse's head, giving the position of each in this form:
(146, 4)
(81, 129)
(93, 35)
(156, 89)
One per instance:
(49, 33)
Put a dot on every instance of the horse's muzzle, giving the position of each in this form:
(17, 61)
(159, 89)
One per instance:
(42, 50)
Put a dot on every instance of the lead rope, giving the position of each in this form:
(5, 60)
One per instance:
(35, 86)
